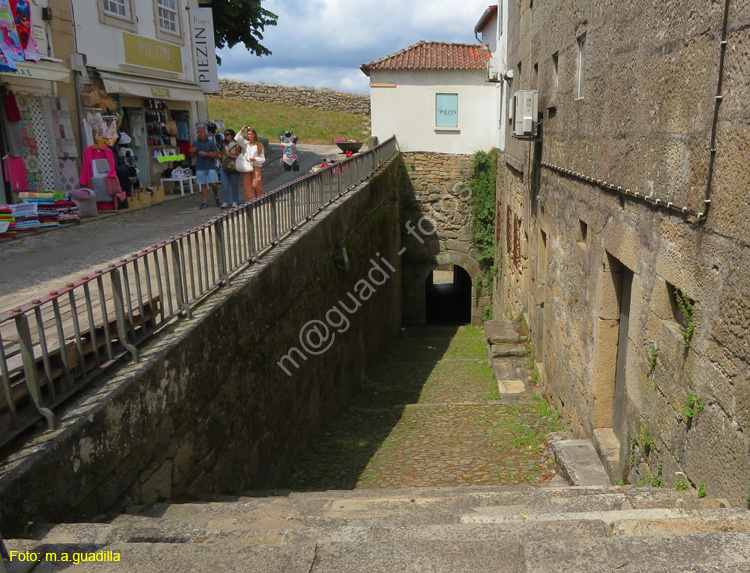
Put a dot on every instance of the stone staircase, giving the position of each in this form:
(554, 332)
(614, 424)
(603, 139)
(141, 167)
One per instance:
(506, 341)
(572, 529)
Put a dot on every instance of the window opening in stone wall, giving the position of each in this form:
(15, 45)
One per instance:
(581, 64)
(682, 312)
(555, 76)
(118, 8)
(498, 222)
(541, 270)
(509, 248)
(583, 230)
(535, 78)
(516, 242)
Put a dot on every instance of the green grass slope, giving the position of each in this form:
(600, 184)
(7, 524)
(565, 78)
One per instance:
(271, 120)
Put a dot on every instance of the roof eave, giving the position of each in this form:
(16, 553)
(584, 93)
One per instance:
(485, 17)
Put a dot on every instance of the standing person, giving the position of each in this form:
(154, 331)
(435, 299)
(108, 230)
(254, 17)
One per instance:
(230, 177)
(252, 149)
(205, 165)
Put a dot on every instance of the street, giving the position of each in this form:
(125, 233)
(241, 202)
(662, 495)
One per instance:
(36, 264)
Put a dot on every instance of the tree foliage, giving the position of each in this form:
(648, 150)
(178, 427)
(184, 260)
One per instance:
(241, 21)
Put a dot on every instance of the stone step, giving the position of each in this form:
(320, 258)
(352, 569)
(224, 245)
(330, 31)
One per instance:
(408, 555)
(511, 374)
(707, 521)
(482, 526)
(155, 530)
(510, 515)
(725, 552)
(385, 514)
(579, 463)
(507, 350)
(504, 332)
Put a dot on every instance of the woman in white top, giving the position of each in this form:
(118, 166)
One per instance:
(252, 149)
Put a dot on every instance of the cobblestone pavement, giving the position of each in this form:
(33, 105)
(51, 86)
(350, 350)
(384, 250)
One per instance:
(38, 263)
(428, 416)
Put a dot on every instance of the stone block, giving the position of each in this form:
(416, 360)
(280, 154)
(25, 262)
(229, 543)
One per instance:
(606, 333)
(502, 332)
(503, 350)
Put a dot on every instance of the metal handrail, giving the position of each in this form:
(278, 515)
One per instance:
(54, 345)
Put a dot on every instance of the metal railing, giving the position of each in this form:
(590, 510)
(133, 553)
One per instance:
(56, 344)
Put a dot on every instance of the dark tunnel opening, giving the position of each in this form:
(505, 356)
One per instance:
(448, 296)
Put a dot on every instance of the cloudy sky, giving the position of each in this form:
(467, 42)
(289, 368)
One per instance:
(322, 43)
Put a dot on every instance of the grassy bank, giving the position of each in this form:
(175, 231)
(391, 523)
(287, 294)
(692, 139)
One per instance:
(271, 120)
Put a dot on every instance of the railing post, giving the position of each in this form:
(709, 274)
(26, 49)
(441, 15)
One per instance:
(119, 302)
(274, 220)
(221, 252)
(29, 369)
(179, 278)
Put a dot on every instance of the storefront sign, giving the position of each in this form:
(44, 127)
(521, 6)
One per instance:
(204, 49)
(140, 51)
(162, 93)
(49, 71)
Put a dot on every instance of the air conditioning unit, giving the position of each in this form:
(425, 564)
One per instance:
(525, 107)
(493, 70)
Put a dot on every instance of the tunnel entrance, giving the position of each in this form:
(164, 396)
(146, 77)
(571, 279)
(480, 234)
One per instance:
(448, 296)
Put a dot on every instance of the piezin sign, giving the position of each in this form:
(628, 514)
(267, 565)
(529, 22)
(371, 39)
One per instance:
(204, 49)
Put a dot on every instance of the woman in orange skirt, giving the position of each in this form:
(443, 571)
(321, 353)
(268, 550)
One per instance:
(252, 149)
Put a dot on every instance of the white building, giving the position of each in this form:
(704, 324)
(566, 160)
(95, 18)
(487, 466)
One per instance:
(434, 96)
(151, 56)
(492, 30)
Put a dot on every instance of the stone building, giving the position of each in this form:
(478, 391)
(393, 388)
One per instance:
(623, 230)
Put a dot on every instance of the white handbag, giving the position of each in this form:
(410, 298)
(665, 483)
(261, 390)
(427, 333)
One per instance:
(242, 164)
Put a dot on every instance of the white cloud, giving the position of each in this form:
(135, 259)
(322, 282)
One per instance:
(322, 43)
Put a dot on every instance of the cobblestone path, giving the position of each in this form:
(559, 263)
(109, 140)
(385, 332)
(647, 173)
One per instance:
(429, 415)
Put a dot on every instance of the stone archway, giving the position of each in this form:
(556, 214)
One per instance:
(414, 307)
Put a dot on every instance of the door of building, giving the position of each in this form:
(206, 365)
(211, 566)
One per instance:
(622, 353)
(137, 123)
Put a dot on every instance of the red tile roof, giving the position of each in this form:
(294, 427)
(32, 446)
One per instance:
(433, 56)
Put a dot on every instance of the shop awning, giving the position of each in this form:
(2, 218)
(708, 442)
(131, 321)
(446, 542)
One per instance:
(41, 70)
(150, 88)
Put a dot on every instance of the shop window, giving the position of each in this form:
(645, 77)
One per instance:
(169, 17)
(446, 110)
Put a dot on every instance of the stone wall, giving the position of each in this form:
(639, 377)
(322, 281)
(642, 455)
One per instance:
(208, 409)
(640, 125)
(296, 96)
(441, 201)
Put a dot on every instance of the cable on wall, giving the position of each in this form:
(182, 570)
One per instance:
(626, 192)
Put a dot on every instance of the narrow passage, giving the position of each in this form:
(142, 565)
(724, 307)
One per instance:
(428, 415)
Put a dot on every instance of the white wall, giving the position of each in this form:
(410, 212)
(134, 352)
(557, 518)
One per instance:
(495, 35)
(408, 110)
(102, 44)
